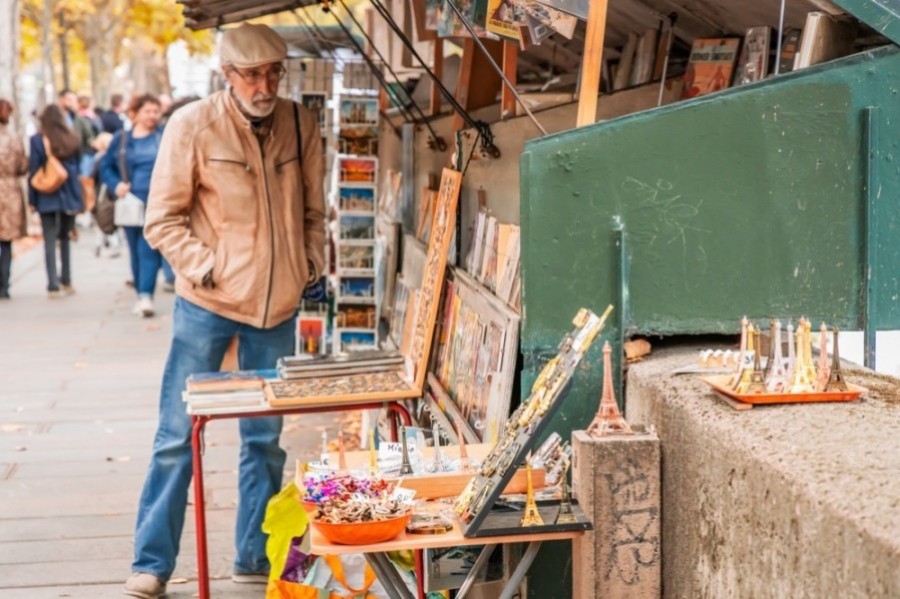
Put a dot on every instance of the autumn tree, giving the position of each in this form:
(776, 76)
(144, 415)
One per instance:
(98, 36)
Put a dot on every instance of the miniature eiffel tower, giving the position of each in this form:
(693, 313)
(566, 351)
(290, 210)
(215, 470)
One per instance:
(756, 383)
(608, 419)
(792, 354)
(836, 382)
(437, 465)
(342, 456)
(565, 515)
(801, 381)
(531, 517)
(405, 466)
(777, 378)
(744, 378)
(323, 456)
(465, 464)
(373, 456)
(808, 362)
(824, 367)
(739, 368)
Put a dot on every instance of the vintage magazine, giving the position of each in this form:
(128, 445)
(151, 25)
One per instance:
(505, 19)
(754, 62)
(711, 66)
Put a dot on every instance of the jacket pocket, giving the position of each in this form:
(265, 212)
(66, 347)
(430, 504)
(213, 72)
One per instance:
(282, 164)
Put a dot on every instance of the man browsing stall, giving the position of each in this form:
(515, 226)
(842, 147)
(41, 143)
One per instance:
(236, 206)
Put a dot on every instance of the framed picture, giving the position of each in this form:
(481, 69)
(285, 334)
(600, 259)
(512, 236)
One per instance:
(358, 141)
(310, 334)
(355, 339)
(357, 170)
(356, 259)
(315, 101)
(356, 199)
(356, 227)
(359, 111)
(363, 317)
(356, 290)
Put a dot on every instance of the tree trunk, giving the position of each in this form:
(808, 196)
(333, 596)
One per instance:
(64, 51)
(48, 72)
(9, 57)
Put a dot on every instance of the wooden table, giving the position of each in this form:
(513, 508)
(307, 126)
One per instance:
(199, 422)
(376, 556)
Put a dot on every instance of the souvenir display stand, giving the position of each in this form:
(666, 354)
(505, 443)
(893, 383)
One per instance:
(482, 519)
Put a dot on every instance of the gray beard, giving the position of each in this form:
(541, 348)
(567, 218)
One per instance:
(249, 109)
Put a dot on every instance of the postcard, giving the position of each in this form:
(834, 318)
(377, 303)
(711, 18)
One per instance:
(356, 227)
(357, 170)
(356, 199)
(359, 111)
(356, 289)
(356, 339)
(356, 259)
(315, 101)
(310, 334)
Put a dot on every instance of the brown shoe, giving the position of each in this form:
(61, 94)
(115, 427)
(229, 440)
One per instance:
(67, 289)
(54, 294)
(145, 586)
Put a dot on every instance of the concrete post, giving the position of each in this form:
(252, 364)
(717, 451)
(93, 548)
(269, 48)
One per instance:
(616, 480)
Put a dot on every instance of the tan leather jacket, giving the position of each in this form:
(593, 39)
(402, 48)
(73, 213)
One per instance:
(221, 202)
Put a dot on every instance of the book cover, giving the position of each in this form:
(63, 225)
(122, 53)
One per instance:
(504, 19)
(824, 38)
(558, 21)
(753, 64)
(229, 380)
(711, 66)
(789, 44)
(644, 58)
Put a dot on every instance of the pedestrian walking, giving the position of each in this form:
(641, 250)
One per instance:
(237, 206)
(56, 140)
(111, 119)
(13, 165)
(126, 169)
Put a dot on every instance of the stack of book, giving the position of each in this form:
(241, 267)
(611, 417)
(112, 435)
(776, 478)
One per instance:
(493, 258)
(358, 362)
(217, 392)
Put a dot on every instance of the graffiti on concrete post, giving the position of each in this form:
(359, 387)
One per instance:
(635, 538)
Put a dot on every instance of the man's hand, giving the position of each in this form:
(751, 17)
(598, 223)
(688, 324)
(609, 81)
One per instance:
(122, 188)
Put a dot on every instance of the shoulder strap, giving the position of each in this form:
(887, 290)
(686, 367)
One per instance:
(299, 138)
(123, 170)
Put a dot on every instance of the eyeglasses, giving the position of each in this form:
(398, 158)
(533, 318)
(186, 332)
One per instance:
(253, 77)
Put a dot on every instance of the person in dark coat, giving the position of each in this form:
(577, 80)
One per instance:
(57, 209)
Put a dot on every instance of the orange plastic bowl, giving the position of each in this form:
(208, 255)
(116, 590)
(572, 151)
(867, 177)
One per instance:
(362, 533)
(309, 506)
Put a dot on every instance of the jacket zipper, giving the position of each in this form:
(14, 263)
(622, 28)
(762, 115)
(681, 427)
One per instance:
(262, 155)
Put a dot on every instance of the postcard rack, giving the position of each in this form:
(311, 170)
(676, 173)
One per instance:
(478, 507)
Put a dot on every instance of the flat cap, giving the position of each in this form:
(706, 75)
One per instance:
(251, 46)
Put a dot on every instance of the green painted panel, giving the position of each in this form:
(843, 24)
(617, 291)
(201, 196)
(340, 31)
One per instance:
(751, 201)
(881, 15)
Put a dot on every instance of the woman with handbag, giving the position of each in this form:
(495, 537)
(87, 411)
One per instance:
(126, 168)
(54, 191)
(13, 165)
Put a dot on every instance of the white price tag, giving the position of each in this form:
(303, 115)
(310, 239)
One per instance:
(404, 495)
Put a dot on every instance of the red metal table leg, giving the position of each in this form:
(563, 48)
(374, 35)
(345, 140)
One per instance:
(200, 506)
(400, 412)
(420, 574)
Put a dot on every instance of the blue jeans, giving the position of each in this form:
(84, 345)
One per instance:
(56, 227)
(199, 341)
(145, 261)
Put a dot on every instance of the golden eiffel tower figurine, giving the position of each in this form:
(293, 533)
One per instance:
(801, 382)
(531, 517)
(342, 456)
(757, 382)
(373, 456)
(777, 375)
(836, 382)
(565, 515)
(744, 379)
(608, 419)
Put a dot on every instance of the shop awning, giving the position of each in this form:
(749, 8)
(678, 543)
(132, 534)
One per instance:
(203, 14)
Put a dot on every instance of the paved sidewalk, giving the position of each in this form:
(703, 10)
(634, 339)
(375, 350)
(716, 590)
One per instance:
(78, 402)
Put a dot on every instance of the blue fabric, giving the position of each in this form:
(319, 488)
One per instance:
(56, 227)
(145, 261)
(65, 199)
(168, 273)
(140, 156)
(199, 341)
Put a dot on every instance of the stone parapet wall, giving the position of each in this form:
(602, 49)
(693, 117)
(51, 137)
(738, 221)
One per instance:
(780, 501)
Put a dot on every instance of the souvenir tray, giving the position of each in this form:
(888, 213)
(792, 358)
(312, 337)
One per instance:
(720, 384)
